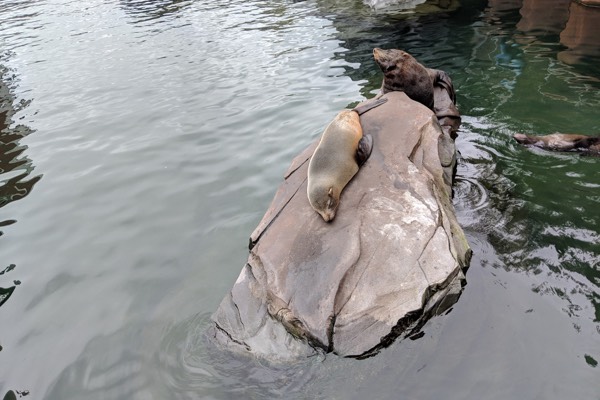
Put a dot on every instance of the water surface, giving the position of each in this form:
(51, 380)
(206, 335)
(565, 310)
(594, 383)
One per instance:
(142, 141)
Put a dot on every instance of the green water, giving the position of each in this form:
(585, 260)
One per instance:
(144, 140)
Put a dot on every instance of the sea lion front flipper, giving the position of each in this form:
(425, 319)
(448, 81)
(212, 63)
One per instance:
(365, 146)
(363, 108)
(442, 79)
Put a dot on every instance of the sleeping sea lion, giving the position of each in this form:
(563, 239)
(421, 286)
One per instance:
(340, 153)
(403, 73)
(562, 142)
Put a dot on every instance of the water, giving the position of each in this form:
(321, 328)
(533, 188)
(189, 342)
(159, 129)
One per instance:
(145, 140)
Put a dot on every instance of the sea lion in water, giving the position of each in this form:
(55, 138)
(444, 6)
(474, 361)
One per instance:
(340, 153)
(561, 142)
(403, 73)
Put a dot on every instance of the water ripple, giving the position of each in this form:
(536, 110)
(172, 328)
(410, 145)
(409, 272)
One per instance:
(162, 129)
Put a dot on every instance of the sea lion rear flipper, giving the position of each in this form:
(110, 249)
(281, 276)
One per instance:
(363, 108)
(586, 142)
(365, 146)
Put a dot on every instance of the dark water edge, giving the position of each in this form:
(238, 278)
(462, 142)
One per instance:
(16, 169)
(120, 261)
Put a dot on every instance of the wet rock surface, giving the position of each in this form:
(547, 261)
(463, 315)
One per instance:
(393, 256)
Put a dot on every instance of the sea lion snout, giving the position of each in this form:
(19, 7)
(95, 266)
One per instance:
(324, 201)
(387, 60)
(382, 60)
(378, 54)
(328, 215)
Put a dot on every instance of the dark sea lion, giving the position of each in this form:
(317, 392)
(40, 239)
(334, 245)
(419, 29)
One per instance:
(561, 142)
(338, 157)
(403, 73)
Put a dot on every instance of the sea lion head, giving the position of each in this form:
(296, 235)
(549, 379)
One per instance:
(403, 73)
(399, 69)
(521, 138)
(325, 201)
(527, 140)
(389, 60)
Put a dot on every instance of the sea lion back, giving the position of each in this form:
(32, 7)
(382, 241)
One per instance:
(333, 163)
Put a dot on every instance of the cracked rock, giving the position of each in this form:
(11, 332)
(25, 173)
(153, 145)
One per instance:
(393, 256)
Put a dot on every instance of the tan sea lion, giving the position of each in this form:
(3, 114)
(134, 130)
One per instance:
(561, 142)
(403, 73)
(338, 157)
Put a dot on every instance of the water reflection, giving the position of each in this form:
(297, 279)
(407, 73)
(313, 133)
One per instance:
(148, 10)
(542, 17)
(12, 395)
(581, 35)
(102, 267)
(12, 157)
(553, 23)
(15, 166)
(538, 201)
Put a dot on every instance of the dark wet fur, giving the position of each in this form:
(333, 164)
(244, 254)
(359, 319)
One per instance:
(403, 73)
(562, 142)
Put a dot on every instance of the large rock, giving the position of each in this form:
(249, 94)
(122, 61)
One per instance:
(393, 256)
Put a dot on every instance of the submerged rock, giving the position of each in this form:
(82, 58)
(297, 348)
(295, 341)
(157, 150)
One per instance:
(393, 256)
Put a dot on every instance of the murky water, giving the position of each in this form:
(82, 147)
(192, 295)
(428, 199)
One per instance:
(142, 141)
